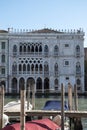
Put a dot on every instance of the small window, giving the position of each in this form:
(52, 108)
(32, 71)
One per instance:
(67, 78)
(66, 62)
(66, 45)
(3, 71)
(3, 45)
(3, 59)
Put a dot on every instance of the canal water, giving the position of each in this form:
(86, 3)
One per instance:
(40, 101)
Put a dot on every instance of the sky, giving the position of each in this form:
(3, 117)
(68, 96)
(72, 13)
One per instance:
(39, 14)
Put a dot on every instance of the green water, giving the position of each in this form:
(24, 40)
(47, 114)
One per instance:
(40, 101)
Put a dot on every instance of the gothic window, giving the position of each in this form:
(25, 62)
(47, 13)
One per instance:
(28, 49)
(46, 68)
(24, 68)
(39, 84)
(78, 68)
(46, 50)
(3, 58)
(56, 69)
(28, 67)
(14, 85)
(20, 68)
(24, 49)
(32, 48)
(14, 68)
(78, 82)
(56, 84)
(56, 81)
(14, 50)
(36, 67)
(40, 67)
(77, 50)
(56, 50)
(32, 68)
(36, 49)
(40, 48)
(20, 49)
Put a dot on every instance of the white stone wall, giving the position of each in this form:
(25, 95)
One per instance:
(65, 54)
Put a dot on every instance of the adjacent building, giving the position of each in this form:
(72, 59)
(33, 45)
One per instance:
(42, 59)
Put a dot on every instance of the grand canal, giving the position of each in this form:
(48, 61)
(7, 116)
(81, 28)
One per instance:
(40, 101)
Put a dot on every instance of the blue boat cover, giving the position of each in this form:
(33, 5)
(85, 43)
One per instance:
(54, 105)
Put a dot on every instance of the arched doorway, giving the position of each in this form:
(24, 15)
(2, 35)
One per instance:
(14, 85)
(46, 84)
(21, 84)
(31, 89)
(30, 83)
(4, 84)
(39, 85)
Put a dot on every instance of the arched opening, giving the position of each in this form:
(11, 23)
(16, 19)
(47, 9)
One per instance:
(21, 84)
(4, 84)
(39, 85)
(14, 85)
(30, 83)
(46, 84)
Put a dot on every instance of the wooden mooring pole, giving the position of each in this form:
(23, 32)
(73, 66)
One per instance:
(70, 96)
(70, 100)
(62, 107)
(22, 111)
(1, 105)
(75, 97)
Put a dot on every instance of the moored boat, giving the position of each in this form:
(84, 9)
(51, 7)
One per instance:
(15, 106)
(54, 105)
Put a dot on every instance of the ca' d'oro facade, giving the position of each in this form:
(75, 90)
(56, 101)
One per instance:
(42, 59)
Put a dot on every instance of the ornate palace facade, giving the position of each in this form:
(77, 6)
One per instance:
(42, 58)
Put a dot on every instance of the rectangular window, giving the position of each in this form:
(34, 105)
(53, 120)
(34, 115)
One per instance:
(66, 45)
(66, 63)
(3, 45)
(3, 71)
(67, 78)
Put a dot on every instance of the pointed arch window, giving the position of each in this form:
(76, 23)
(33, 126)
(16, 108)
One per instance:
(78, 68)
(40, 68)
(78, 51)
(46, 50)
(32, 68)
(28, 49)
(28, 68)
(56, 50)
(36, 68)
(14, 50)
(24, 68)
(3, 58)
(20, 68)
(36, 49)
(24, 49)
(56, 69)
(32, 48)
(20, 49)
(40, 48)
(56, 84)
(14, 68)
(46, 68)
(78, 82)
